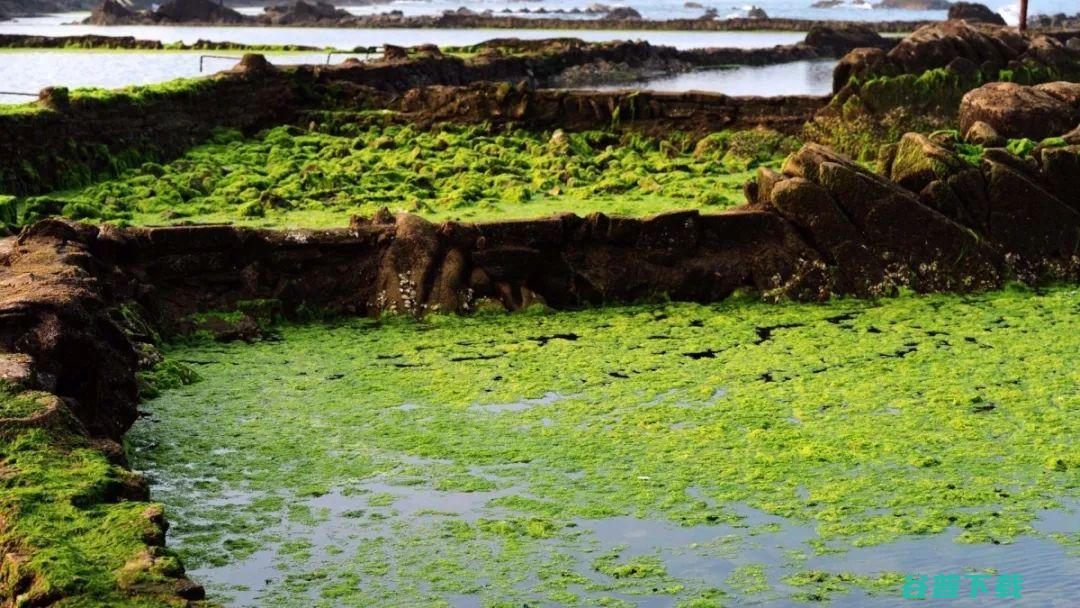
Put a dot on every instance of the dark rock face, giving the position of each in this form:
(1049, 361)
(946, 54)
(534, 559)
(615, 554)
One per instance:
(623, 12)
(110, 12)
(303, 12)
(973, 11)
(197, 11)
(843, 40)
(1014, 111)
(53, 310)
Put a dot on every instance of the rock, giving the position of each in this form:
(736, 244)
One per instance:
(919, 161)
(975, 12)
(936, 45)
(891, 233)
(827, 4)
(226, 327)
(1015, 111)
(623, 12)
(915, 5)
(1073, 44)
(856, 63)
(982, 134)
(303, 12)
(756, 12)
(197, 11)
(395, 53)
(17, 371)
(110, 12)
(840, 40)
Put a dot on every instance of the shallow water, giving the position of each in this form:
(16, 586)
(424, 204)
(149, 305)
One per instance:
(346, 38)
(30, 71)
(795, 78)
(312, 471)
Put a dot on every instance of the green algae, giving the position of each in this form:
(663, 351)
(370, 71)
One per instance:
(291, 177)
(877, 109)
(510, 443)
(68, 534)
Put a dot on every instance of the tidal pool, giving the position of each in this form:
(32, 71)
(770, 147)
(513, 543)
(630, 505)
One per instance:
(348, 38)
(666, 454)
(794, 78)
(31, 71)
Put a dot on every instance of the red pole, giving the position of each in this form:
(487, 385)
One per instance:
(1023, 14)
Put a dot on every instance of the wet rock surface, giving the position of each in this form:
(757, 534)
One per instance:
(973, 11)
(1015, 111)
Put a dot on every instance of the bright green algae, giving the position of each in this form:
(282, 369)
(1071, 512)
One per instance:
(400, 462)
(67, 536)
(289, 177)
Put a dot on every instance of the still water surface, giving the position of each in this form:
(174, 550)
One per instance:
(795, 78)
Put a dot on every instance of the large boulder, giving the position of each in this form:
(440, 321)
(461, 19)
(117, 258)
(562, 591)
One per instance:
(878, 234)
(197, 11)
(303, 12)
(973, 11)
(842, 39)
(1015, 111)
(110, 12)
(623, 13)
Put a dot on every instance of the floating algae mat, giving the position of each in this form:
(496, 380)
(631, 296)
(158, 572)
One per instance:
(669, 454)
(292, 177)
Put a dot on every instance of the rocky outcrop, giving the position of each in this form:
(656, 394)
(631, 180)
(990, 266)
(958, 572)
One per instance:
(196, 11)
(975, 12)
(918, 85)
(1025, 209)
(111, 12)
(54, 310)
(302, 12)
(1016, 111)
(846, 39)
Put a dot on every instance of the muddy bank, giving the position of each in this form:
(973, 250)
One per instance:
(160, 121)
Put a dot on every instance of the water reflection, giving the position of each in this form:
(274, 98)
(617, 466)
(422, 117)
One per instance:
(795, 78)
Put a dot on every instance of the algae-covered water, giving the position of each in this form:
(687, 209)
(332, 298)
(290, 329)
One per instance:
(666, 454)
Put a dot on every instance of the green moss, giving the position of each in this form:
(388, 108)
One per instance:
(291, 177)
(878, 109)
(855, 425)
(67, 532)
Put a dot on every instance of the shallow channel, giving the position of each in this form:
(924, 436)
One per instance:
(740, 453)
